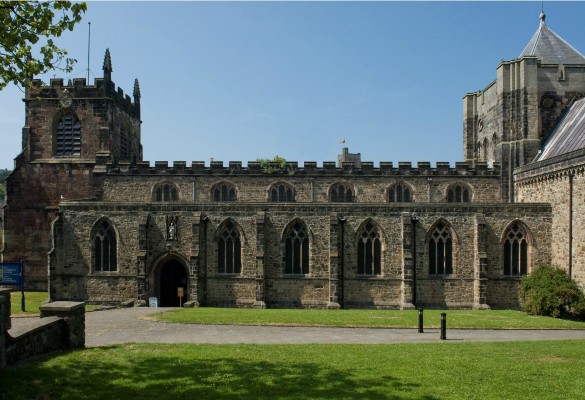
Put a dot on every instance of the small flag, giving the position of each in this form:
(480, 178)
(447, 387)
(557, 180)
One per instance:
(342, 141)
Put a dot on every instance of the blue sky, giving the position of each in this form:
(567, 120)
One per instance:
(237, 81)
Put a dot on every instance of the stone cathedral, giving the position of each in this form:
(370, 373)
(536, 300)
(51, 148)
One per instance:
(94, 222)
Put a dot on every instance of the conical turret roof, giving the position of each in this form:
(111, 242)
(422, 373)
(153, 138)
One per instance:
(550, 48)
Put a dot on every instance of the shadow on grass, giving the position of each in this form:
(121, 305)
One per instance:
(162, 374)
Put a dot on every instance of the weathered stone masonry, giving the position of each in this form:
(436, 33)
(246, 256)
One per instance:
(333, 281)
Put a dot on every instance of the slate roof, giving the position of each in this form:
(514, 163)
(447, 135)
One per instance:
(550, 48)
(569, 135)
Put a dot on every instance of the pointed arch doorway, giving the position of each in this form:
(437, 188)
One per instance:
(172, 275)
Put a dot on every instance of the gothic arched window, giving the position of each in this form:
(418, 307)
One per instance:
(399, 193)
(341, 193)
(229, 248)
(440, 250)
(68, 135)
(104, 248)
(369, 251)
(281, 192)
(458, 194)
(166, 192)
(224, 192)
(296, 250)
(516, 250)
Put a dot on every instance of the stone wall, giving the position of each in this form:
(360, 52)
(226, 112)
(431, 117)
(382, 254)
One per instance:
(310, 184)
(61, 326)
(561, 182)
(333, 230)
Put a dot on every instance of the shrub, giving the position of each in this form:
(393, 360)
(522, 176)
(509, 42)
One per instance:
(551, 292)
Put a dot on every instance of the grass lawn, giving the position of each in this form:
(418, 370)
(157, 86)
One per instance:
(33, 300)
(492, 319)
(509, 370)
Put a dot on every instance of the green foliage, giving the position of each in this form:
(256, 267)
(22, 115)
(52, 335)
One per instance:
(272, 165)
(27, 29)
(551, 292)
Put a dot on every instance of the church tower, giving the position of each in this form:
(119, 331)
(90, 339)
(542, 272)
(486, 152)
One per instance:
(509, 121)
(71, 130)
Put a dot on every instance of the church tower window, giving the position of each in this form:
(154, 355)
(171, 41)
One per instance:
(229, 249)
(68, 136)
(516, 251)
(124, 143)
(369, 251)
(296, 250)
(440, 250)
(105, 248)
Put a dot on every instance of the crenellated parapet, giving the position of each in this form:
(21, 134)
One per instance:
(79, 90)
(292, 168)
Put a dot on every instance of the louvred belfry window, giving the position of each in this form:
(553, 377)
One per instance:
(68, 136)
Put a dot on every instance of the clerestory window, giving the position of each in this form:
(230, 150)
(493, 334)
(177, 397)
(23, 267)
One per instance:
(282, 192)
(458, 194)
(399, 193)
(166, 192)
(341, 193)
(224, 192)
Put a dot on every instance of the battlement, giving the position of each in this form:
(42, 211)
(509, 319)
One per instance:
(292, 168)
(78, 89)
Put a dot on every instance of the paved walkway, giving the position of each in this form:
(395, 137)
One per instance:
(128, 325)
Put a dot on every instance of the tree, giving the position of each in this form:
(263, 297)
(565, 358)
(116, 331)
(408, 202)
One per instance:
(27, 29)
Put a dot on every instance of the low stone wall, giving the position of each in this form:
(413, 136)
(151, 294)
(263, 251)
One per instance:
(2, 330)
(61, 326)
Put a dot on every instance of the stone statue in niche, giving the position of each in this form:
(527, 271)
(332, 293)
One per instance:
(172, 228)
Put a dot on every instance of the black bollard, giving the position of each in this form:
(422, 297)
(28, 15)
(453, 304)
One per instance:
(420, 320)
(443, 326)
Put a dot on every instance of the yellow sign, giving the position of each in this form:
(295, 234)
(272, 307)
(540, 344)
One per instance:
(180, 292)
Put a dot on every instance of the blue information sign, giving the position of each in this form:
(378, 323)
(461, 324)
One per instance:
(11, 274)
